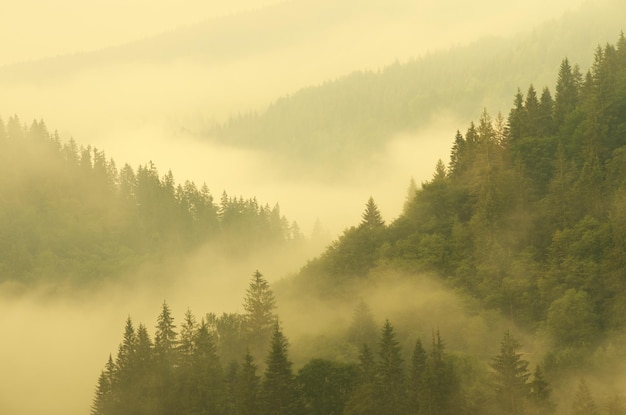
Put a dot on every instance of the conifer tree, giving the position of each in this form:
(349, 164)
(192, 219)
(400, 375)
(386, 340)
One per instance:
(440, 387)
(416, 376)
(372, 219)
(517, 117)
(363, 327)
(540, 392)
(260, 317)
(279, 395)
(584, 404)
(457, 155)
(566, 93)
(510, 376)
(390, 374)
(248, 387)
(207, 377)
(165, 343)
(364, 399)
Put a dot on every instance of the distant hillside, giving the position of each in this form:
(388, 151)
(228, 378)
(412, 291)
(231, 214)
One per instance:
(347, 119)
(68, 214)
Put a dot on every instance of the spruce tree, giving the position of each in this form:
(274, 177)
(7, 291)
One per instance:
(510, 376)
(540, 392)
(165, 343)
(247, 388)
(390, 375)
(279, 395)
(416, 376)
(584, 404)
(260, 317)
(207, 377)
(372, 218)
(363, 329)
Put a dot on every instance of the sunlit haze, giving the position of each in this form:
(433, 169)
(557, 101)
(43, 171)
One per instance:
(149, 81)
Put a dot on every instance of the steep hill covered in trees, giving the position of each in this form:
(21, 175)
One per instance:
(69, 214)
(528, 217)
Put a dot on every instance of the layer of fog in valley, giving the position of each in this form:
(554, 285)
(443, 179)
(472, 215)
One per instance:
(91, 72)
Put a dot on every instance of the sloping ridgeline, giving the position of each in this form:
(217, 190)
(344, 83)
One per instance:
(529, 217)
(345, 122)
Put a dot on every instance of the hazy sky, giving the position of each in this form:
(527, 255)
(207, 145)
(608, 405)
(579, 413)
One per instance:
(42, 28)
(33, 29)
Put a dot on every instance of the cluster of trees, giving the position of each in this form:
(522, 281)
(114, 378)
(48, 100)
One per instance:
(195, 371)
(528, 217)
(69, 212)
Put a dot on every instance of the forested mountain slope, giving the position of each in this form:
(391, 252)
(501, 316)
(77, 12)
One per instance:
(528, 217)
(69, 214)
(350, 119)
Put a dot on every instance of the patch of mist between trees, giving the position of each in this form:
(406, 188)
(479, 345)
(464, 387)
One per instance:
(416, 305)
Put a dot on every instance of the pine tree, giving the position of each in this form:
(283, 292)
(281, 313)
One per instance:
(457, 155)
(511, 376)
(363, 327)
(566, 93)
(208, 393)
(517, 118)
(544, 114)
(440, 387)
(416, 376)
(165, 339)
(584, 404)
(165, 343)
(390, 375)
(364, 400)
(104, 399)
(540, 393)
(372, 218)
(531, 108)
(260, 317)
(279, 388)
(248, 388)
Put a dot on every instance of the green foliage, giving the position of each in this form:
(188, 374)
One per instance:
(70, 215)
(527, 218)
(259, 320)
(279, 391)
(511, 376)
(325, 386)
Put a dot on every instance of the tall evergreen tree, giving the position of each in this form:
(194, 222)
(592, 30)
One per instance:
(416, 376)
(208, 394)
(511, 376)
(390, 374)
(165, 354)
(248, 388)
(260, 317)
(584, 404)
(372, 218)
(540, 392)
(279, 394)
(363, 329)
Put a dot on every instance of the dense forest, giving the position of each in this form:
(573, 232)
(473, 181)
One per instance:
(69, 213)
(528, 218)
